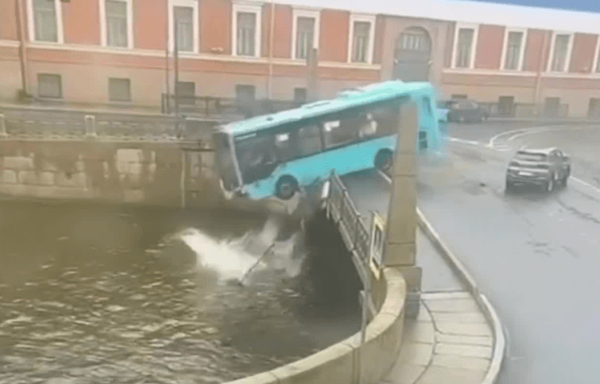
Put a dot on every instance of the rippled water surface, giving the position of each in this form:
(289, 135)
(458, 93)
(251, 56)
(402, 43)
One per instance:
(108, 295)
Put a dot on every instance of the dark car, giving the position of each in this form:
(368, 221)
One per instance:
(463, 111)
(546, 168)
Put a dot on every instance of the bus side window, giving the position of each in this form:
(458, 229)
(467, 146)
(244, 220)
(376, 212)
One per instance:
(341, 132)
(284, 147)
(387, 118)
(309, 140)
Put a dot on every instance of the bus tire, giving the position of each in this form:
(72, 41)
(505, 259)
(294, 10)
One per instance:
(383, 160)
(286, 187)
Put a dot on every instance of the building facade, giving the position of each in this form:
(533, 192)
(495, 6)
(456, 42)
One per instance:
(121, 52)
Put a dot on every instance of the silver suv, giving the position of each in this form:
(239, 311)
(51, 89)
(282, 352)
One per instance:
(546, 168)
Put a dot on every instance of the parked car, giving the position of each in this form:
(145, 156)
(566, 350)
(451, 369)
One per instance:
(442, 116)
(464, 110)
(545, 168)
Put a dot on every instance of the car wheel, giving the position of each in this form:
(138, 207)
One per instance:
(461, 119)
(383, 160)
(286, 187)
(509, 187)
(564, 180)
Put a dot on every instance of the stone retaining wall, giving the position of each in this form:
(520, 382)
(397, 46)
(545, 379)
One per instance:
(345, 361)
(117, 172)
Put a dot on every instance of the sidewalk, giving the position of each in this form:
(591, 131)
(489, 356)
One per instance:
(449, 343)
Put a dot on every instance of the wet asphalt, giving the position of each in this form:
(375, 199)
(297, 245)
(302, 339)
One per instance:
(535, 255)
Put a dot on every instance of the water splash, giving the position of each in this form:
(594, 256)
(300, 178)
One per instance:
(220, 256)
(233, 259)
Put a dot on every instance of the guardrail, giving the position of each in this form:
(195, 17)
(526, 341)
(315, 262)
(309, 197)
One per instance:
(29, 122)
(354, 231)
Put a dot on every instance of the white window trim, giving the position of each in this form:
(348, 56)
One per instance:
(569, 51)
(354, 17)
(596, 58)
(310, 14)
(475, 28)
(104, 28)
(59, 22)
(257, 10)
(522, 50)
(196, 27)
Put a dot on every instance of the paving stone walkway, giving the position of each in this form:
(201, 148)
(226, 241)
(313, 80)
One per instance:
(450, 342)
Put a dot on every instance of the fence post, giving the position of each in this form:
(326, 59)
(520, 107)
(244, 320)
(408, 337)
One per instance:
(356, 224)
(2, 126)
(89, 124)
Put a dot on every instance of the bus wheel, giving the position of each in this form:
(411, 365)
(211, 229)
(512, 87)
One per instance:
(383, 160)
(286, 187)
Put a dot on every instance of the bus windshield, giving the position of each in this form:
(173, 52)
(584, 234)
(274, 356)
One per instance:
(225, 161)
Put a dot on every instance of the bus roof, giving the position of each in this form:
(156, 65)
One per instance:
(346, 99)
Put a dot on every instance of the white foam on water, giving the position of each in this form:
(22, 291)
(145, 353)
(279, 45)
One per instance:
(229, 262)
(235, 258)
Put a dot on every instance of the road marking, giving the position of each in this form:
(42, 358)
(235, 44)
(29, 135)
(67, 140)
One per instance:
(470, 142)
(386, 177)
(492, 142)
(549, 129)
(584, 183)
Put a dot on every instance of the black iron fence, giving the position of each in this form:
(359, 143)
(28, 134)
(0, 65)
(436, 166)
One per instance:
(222, 108)
(70, 123)
(353, 229)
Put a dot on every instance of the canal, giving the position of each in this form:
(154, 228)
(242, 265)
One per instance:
(105, 294)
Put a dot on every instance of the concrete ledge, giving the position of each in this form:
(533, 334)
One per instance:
(341, 362)
(482, 301)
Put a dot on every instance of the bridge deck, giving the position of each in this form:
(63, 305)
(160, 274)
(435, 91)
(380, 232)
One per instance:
(370, 191)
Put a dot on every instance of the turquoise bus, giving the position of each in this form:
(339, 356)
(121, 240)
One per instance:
(277, 154)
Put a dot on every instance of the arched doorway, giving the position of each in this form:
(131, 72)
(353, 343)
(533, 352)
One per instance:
(412, 55)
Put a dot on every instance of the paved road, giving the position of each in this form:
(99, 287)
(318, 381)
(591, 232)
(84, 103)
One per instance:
(536, 257)
(370, 192)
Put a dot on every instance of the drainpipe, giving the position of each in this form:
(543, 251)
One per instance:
(22, 48)
(167, 42)
(540, 69)
(271, 34)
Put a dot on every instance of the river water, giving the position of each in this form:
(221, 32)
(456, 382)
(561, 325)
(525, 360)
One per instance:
(98, 294)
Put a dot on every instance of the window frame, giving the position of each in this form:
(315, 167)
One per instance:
(552, 51)
(195, 27)
(473, 53)
(60, 86)
(313, 14)
(521, 61)
(596, 62)
(129, 90)
(245, 8)
(104, 24)
(361, 17)
(59, 23)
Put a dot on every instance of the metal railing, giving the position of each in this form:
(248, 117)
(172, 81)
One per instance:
(35, 122)
(222, 107)
(353, 229)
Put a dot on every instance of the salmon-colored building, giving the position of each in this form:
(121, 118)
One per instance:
(517, 60)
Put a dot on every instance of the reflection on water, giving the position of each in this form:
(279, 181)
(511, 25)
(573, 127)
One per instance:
(102, 295)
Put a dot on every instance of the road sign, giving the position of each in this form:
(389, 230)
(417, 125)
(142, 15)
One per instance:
(377, 244)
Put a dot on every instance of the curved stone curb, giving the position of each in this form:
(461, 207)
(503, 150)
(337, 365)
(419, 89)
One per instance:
(482, 300)
(341, 362)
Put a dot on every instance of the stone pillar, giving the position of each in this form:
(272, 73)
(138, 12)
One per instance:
(400, 247)
(2, 126)
(89, 124)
